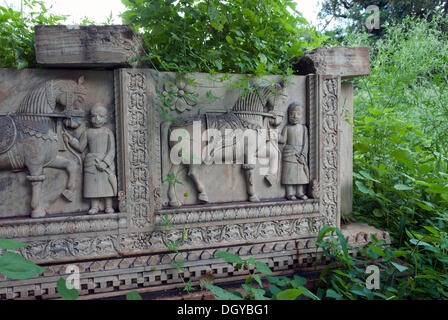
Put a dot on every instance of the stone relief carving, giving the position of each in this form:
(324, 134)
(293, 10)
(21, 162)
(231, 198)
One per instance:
(29, 138)
(179, 95)
(329, 183)
(295, 169)
(265, 210)
(138, 198)
(255, 112)
(100, 181)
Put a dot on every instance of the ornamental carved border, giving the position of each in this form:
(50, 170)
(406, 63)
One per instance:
(136, 194)
(330, 141)
(277, 210)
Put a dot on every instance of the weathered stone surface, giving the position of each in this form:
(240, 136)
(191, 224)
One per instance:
(346, 154)
(345, 62)
(360, 233)
(42, 92)
(87, 46)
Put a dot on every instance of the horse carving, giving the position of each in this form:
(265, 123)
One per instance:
(253, 113)
(29, 140)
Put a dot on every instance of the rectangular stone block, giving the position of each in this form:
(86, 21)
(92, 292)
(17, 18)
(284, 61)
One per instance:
(87, 46)
(345, 62)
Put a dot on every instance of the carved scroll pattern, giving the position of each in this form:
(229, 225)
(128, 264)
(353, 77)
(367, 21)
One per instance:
(138, 195)
(329, 177)
(224, 234)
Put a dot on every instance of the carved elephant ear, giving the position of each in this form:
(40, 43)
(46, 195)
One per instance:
(81, 80)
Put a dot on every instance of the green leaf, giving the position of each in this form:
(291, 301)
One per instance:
(288, 294)
(333, 294)
(133, 295)
(403, 156)
(257, 278)
(17, 267)
(64, 292)
(377, 250)
(323, 231)
(11, 245)
(263, 268)
(308, 293)
(363, 188)
(301, 281)
(222, 294)
(403, 187)
(228, 257)
(367, 175)
(400, 253)
(274, 290)
(218, 64)
(399, 267)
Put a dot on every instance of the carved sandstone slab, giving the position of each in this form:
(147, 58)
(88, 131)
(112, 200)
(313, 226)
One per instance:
(345, 62)
(87, 46)
(41, 174)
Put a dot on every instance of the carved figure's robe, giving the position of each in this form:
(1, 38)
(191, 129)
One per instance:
(97, 183)
(295, 168)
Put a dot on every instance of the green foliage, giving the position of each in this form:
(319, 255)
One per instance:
(173, 246)
(15, 266)
(282, 288)
(400, 128)
(64, 292)
(11, 245)
(353, 11)
(133, 295)
(239, 36)
(418, 270)
(17, 32)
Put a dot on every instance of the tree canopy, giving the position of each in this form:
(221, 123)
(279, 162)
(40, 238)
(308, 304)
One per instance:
(242, 36)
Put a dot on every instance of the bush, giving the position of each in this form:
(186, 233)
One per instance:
(239, 36)
(17, 33)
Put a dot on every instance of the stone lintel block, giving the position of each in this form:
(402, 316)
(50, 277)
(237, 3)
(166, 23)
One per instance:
(360, 233)
(346, 62)
(87, 46)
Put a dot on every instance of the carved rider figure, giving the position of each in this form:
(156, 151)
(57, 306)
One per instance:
(100, 181)
(295, 170)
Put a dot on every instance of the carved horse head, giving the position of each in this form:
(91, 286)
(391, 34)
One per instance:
(263, 102)
(275, 100)
(43, 99)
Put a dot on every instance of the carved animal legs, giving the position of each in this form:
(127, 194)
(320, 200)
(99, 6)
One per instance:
(71, 168)
(270, 152)
(192, 173)
(36, 179)
(249, 174)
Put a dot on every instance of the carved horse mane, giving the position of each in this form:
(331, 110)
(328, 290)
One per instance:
(255, 105)
(41, 100)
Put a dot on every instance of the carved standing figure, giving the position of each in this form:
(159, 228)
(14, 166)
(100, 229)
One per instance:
(295, 171)
(100, 181)
(28, 138)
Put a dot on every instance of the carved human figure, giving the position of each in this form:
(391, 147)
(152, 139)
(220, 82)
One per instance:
(100, 181)
(295, 171)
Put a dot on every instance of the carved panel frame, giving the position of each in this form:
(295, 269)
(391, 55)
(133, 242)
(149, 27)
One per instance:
(134, 230)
